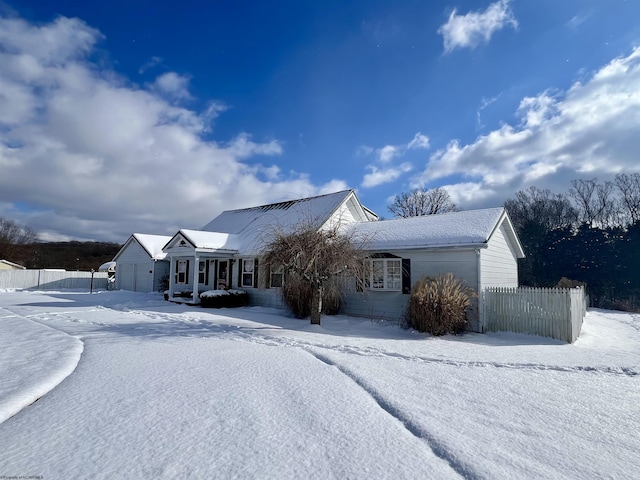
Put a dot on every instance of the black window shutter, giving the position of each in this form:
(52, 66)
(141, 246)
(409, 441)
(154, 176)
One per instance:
(255, 273)
(406, 275)
(186, 275)
(239, 273)
(267, 275)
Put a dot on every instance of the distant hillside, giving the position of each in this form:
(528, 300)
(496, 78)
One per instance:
(67, 255)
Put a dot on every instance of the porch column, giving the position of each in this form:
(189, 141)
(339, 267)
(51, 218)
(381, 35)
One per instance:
(172, 269)
(196, 272)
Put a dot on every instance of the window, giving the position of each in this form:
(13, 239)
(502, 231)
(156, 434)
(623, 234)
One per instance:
(182, 269)
(386, 274)
(276, 277)
(203, 272)
(247, 273)
(222, 274)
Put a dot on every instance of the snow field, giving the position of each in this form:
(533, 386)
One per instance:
(165, 390)
(34, 359)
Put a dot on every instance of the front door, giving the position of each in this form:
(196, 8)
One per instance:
(222, 275)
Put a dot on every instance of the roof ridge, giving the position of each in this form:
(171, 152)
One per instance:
(440, 215)
(286, 204)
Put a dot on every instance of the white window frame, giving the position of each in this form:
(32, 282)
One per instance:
(181, 270)
(203, 272)
(278, 272)
(391, 279)
(248, 271)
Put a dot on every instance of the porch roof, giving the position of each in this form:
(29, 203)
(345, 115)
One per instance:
(207, 241)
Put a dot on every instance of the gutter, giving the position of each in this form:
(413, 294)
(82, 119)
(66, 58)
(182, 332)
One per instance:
(429, 247)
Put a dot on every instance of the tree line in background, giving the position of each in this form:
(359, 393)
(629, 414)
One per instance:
(589, 235)
(19, 244)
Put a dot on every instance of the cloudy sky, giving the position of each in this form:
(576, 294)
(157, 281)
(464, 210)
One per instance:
(150, 116)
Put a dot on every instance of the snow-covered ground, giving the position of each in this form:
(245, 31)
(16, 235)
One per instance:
(142, 388)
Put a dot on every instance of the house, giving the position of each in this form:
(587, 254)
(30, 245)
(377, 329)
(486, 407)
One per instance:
(7, 265)
(477, 246)
(140, 264)
(225, 253)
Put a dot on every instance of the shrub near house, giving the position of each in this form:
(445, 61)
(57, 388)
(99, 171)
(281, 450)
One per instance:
(224, 298)
(439, 305)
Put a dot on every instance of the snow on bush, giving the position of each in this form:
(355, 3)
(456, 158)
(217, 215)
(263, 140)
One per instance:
(224, 298)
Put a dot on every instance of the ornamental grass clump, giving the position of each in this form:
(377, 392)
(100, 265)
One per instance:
(438, 305)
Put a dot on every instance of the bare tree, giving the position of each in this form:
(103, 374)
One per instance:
(541, 207)
(420, 202)
(629, 187)
(12, 233)
(315, 257)
(595, 202)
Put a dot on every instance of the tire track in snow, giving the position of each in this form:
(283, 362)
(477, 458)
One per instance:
(200, 327)
(249, 334)
(462, 468)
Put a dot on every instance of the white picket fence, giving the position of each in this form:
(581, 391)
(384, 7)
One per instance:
(549, 312)
(52, 279)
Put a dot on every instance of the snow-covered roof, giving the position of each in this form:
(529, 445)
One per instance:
(152, 244)
(455, 229)
(250, 227)
(282, 214)
(107, 267)
(13, 265)
(211, 240)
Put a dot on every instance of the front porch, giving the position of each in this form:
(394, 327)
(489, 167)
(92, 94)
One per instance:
(198, 262)
(192, 275)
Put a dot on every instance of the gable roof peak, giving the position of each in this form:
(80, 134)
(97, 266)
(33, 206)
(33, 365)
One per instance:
(287, 204)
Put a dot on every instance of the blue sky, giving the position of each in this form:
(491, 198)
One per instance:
(120, 117)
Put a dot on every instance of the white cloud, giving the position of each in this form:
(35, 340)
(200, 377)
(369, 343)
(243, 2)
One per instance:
(85, 154)
(419, 141)
(592, 128)
(471, 29)
(388, 153)
(243, 147)
(173, 85)
(484, 104)
(334, 185)
(153, 62)
(385, 155)
(378, 176)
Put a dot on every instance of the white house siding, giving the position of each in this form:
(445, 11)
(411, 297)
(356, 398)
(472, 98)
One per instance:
(160, 269)
(498, 262)
(265, 297)
(134, 269)
(389, 306)
(347, 213)
(463, 263)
